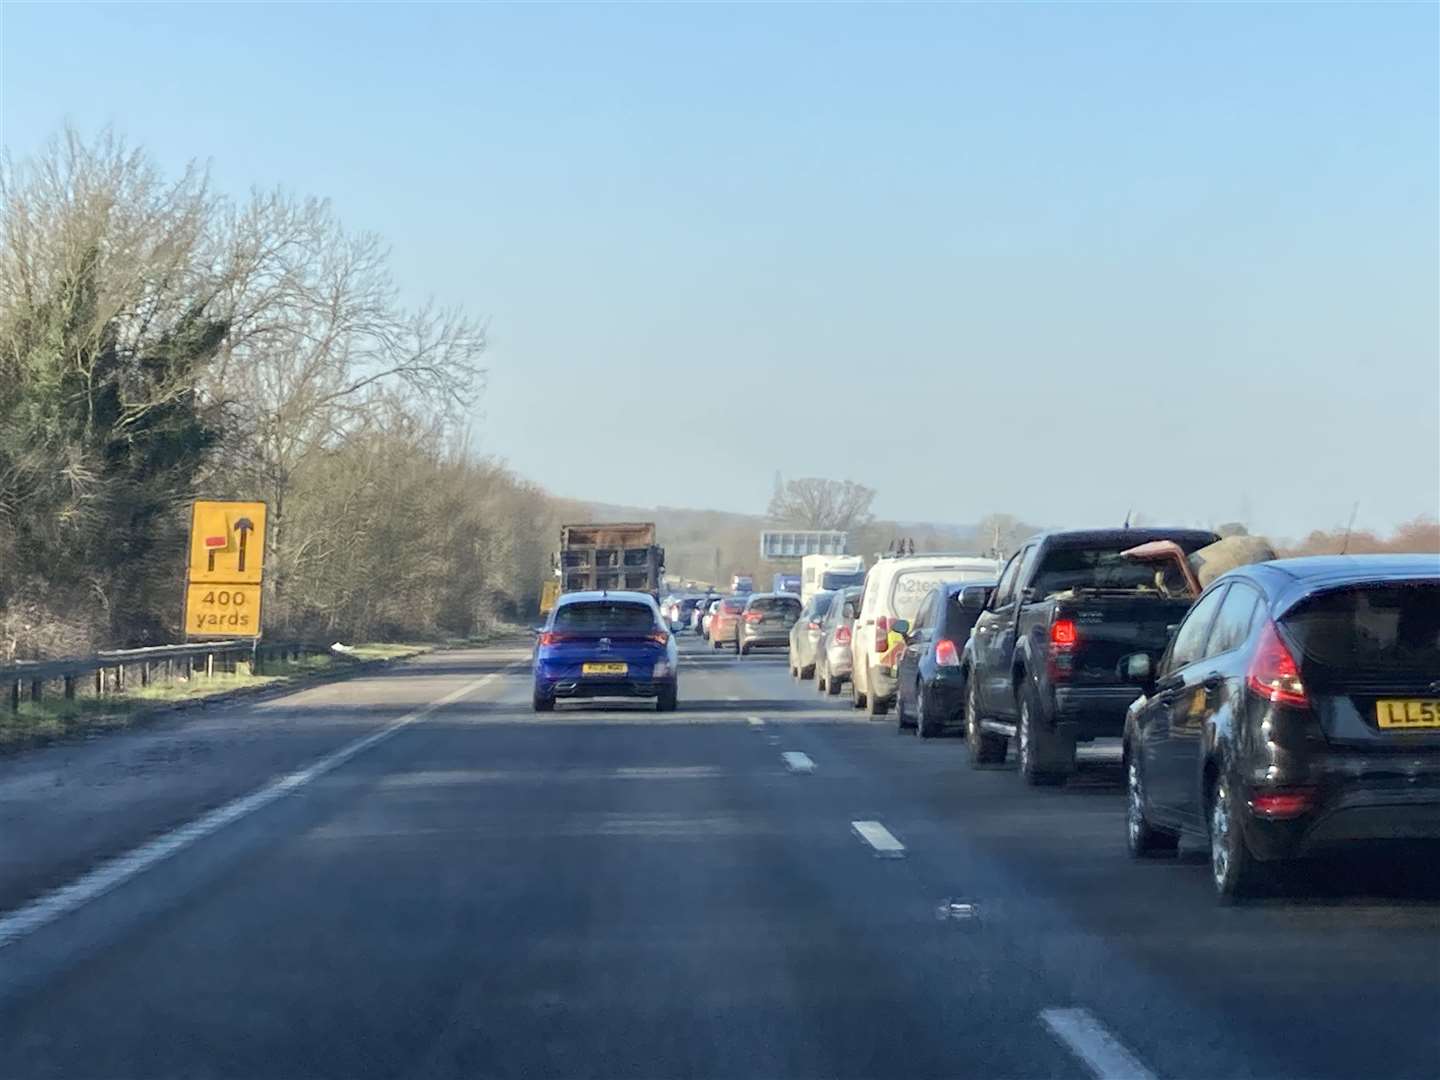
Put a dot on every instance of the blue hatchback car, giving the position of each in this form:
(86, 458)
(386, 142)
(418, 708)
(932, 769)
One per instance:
(605, 644)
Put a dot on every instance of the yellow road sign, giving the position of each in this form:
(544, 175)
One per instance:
(549, 593)
(227, 543)
(227, 611)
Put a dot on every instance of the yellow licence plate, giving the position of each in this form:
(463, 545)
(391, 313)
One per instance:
(1408, 713)
(604, 669)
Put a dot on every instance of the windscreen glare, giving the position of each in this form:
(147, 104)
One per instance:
(1382, 628)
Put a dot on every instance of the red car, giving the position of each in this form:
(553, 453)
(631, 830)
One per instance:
(724, 623)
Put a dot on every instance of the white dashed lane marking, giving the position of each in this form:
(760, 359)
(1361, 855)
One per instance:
(1093, 1044)
(795, 761)
(879, 838)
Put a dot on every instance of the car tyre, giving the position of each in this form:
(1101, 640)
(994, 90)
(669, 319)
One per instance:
(807, 673)
(1028, 737)
(669, 699)
(986, 748)
(1144, 840)
(1234, 871)
(903, 722)
(925, 727)
(832, 688)
(857, 699)
(542, 702)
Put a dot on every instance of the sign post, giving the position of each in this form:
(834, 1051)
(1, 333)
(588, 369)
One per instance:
(224, 580)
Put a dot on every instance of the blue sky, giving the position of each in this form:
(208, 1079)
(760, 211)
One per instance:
(1057, 261)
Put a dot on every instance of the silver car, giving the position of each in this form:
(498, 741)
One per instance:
(832, 654)
(805, 634)
(766, 621)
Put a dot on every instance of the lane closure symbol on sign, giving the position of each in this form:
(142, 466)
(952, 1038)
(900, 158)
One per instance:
(227, 561)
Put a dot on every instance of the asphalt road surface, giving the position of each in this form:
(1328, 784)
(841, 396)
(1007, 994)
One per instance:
(409, 874)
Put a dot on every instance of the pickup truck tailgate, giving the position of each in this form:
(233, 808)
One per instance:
(1110, 624)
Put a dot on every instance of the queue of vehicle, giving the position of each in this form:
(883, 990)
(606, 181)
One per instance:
(1270, 709)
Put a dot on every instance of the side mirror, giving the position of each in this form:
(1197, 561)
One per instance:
(975, 597)
(848, 611)
(1136, 667)
(1030, 595)
(901, 627)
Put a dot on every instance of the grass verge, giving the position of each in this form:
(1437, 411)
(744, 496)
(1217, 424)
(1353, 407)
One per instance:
(55, 717)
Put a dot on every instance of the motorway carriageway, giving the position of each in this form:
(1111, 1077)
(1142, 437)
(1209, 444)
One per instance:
(410, 874)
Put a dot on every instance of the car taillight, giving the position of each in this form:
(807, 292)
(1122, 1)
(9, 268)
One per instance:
(1273, 673)
(882, 633)
(842, 635)
(550, 637)
(812, 625)
(1060, 663)
(754, 616)
(1282, 804)
(946, 655)
(660, 638)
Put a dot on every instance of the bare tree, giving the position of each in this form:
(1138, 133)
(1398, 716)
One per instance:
(815, 503)
(318, 340)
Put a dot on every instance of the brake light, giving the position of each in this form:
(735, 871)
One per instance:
(753, 616)
(842, 635)
(1060, 663)
(1273, 674)
(550, 637)
(812, 625)
(882, 633)
(1282, 804)
(660, 638)
(946, 655)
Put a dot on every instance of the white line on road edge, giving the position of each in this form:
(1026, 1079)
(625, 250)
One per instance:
(115, 872)
(795, 761)
(879, 838)
(1106, 1056)
(733, 697)
(754, 721)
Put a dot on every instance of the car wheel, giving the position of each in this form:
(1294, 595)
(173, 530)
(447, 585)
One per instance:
(807, 673)
(986, 748)
(924, 727)
(794, 671)
(902, 719)
(874, 707)
(1143, 839)
(542, 702)
(1235, 872)
(1028, 736)
(857, 699)
(819, 679)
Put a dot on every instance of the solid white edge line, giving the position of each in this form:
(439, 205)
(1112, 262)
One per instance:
(754, 721)
(879, 838)
(112, 873)
(796, 761)
(1093, 1044)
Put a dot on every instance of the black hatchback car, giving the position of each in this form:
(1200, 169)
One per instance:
(1295, 711)
(930, 691)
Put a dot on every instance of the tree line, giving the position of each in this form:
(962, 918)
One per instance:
(161, 342)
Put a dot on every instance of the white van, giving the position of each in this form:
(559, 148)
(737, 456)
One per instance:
(826, 573)
(894, 588)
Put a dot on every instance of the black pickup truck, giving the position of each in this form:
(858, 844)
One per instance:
(1041, 666)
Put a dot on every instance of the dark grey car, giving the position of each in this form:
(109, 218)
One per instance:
(832, 654)
(805, 634)
(766, 621)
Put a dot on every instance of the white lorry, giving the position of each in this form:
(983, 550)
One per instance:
(823, 573)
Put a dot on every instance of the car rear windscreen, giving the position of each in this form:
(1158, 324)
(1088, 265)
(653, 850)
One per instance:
(775, 605)
(822, 602)
(1092, 568)
(840, 579)
(1394, 627)
(733, 605)
(608, 616)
